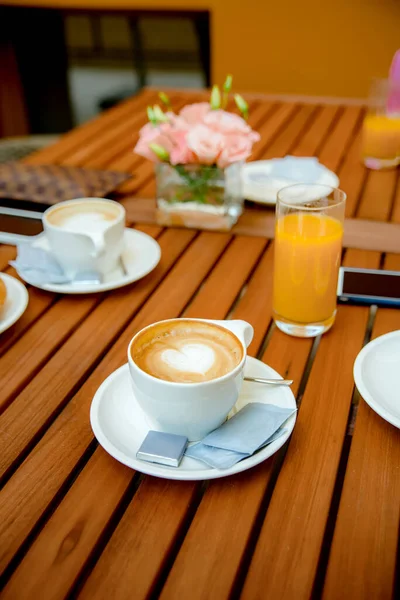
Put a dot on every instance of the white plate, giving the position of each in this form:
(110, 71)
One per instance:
(377, 376)
(262, 179)
(16, 302)
(140, 256)
(120, 425)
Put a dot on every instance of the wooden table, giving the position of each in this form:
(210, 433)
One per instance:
(320, 519)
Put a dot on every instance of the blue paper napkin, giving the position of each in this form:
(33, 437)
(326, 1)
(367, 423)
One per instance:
(39, 267)
(301, 169)
(252, 428)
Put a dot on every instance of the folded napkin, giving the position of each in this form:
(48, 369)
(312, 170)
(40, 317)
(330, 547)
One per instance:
(39, 266)
(252, 428)
(301, 169)
(50, 184)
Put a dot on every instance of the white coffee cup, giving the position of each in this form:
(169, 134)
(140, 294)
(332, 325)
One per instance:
(85, 234)
(190, 409)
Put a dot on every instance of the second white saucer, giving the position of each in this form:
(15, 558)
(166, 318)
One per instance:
(377, 376)
(120, 425)
(16, 302)
(262, 179)
(140, 256)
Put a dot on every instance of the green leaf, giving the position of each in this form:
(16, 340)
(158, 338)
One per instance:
(226, 89)
(228, 84)
(215, 100)
(159, 151)
(159, 116)
(151, 115)
(242, 105)
(164, 99)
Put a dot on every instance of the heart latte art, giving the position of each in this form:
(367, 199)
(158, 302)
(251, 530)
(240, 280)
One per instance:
(187, 351)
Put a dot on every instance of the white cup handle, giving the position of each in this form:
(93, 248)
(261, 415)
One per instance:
(243, 330)
(98, 242)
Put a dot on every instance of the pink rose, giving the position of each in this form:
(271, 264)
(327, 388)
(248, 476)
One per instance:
(236, 148)
(254, 136)
(205, 143)
(175, 121)
(180, 153)
(148, 131)
(195, 113)
(226, 138)
(152, 135)
(147, 135)
(225, 122)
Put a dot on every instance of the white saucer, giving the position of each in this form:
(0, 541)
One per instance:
(120, 426)
(262, 179)
(140, 256)
(16, 302)
(377, 376)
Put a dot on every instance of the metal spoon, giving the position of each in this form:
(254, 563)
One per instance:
(123, 267)
(270, 381)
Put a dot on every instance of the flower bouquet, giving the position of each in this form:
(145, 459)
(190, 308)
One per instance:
(198, 154)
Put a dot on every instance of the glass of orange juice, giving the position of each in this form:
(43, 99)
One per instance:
(381, 127)
(308, 246)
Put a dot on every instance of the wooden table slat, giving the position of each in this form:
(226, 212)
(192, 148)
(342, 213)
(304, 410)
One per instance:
(235, 266)
(276, 123)
(374, 202)
(29, 353)
(340, 137)
(39, 302)
(73, 140)
(7, 253)
(313, 136)
(160, 510)
(50, 567)
(395, 216)
(120, 140)
(288, 137)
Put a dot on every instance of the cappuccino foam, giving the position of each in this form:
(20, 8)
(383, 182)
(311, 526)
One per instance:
(90, 222)
(187, 351)
(85, 217)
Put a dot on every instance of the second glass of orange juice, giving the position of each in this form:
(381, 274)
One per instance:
(308, 245)
(381, 127)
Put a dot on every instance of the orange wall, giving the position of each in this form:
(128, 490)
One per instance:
(315, 47)
(319, 47)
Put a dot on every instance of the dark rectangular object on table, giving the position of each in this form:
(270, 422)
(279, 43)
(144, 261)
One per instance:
(49, 184)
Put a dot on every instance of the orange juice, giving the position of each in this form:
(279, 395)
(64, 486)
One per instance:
(307, 259)
(381, 140)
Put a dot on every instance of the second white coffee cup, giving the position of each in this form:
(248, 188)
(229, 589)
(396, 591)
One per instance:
(85, 234)
(190, 409)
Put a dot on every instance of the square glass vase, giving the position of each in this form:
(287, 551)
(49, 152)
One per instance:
(199, 196)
